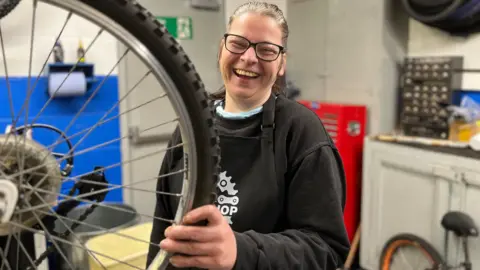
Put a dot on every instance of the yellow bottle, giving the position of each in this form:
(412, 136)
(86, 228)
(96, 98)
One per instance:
(81, 52)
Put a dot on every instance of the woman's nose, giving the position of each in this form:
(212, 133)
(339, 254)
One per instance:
(249, 55)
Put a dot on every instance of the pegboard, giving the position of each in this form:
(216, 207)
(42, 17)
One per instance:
(60, 112)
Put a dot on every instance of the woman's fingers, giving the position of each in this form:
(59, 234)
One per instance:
(203, 262)
(191, 248)
(191, 233)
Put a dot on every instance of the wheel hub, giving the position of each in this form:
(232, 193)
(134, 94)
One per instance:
(8, 200)
(25, 164)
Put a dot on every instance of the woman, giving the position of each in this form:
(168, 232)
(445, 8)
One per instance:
(282, 183)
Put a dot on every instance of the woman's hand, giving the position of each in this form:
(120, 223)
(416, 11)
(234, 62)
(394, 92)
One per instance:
(210, 247)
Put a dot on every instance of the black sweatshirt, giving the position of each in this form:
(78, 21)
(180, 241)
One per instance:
(308, 231)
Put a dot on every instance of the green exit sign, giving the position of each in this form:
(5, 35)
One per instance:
(178, 27)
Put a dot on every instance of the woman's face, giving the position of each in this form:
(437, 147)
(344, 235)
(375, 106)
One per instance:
(245, 75)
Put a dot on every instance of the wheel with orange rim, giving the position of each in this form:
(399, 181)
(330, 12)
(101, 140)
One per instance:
(403, 251)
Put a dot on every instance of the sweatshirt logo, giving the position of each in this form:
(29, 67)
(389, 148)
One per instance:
(227, 201)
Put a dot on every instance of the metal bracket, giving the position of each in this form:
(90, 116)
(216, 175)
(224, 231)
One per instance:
(445, 172)
(137, 139)
(471, 178)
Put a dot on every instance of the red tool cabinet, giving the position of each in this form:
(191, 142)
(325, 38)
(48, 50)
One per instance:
(346, 125)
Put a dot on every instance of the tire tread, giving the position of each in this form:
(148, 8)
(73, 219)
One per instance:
(142, 24)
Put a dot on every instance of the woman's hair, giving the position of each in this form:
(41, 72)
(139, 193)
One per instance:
(264, 9)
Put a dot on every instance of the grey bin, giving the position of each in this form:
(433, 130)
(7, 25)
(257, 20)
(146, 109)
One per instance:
(103, 216)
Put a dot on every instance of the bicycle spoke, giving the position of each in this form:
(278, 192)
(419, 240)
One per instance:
(87, 102)
(103, 122)
(115, 186)
(95, 147)
(7, 248)
(42, 171)
(2, 173)
(32, 39)
(402, 255)
(7, 79)
(22, 247)
(79, 199)
(4, 259)
(89, 130)
(94, 93)
(108, 120)
(24, 135)
(30, 91)
(18, 250)
(104, 230)
(21, 166)
(106, 114)
(86, 151)
(417, 261)
(49, 236)
(58, 239)
(65, 79)
(68, 228)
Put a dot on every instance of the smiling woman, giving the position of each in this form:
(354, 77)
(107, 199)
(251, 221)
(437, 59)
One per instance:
(281, 191)
(255, 42)
(254, 68)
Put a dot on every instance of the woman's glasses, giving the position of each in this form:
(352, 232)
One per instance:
(265, 51)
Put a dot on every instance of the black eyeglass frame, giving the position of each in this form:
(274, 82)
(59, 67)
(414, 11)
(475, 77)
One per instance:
(254, 45)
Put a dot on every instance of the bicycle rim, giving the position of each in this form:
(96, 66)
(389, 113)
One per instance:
(407, 251)
(148, 40)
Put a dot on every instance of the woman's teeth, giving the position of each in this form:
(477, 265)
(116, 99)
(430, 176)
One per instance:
(245, 73)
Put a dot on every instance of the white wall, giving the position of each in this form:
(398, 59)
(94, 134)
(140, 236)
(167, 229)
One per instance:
(307, 47)
(16, 30)
(348, 53)
(427, 41)
(231, 5)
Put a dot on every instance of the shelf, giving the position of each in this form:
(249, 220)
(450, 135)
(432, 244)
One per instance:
(86, 68)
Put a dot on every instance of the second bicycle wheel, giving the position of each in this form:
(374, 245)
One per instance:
(50, 183)
(408, 251)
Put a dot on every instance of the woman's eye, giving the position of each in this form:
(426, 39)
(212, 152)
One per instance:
(268, 51)
(238, 44)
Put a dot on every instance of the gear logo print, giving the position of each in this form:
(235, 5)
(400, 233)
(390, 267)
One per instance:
(225, 184)
(227, 204)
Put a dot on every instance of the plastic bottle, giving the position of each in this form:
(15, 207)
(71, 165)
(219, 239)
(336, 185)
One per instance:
(81, 52)
(58, 54)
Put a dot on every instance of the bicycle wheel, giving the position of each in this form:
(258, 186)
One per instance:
(402, 250)
(48, 191)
